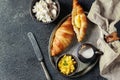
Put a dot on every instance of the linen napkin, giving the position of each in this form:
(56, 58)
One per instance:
(106, 13)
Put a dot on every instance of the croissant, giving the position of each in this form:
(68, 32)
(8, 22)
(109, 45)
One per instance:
(79, 20)
(63, 37)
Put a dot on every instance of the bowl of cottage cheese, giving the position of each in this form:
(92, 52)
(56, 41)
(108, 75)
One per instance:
(45, 11)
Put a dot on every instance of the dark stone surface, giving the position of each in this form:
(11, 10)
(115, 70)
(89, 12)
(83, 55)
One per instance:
(17, 58)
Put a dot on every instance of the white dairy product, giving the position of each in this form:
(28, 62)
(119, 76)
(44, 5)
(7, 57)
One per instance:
(87, 52)
(45, 10)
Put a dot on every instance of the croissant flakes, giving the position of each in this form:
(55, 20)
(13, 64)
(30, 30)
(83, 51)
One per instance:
(63, 37)
(79, 20)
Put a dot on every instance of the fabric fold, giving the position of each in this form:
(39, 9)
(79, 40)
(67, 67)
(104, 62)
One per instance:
(105, 14)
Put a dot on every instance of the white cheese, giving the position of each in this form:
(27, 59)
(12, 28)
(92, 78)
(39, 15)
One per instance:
(45, 10)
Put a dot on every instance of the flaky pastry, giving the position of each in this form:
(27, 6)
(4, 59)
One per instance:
(63, 37)
(79, 20)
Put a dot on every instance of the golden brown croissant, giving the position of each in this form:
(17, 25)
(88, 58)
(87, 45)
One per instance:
(63, 37)
(79, 20)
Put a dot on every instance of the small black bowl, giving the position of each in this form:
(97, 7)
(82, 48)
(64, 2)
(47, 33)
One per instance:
(75, 65)
(33, 14)
(87, 53)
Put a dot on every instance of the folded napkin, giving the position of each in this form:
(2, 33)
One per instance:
(106, 13)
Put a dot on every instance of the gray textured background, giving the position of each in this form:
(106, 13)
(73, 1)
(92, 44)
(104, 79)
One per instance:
(17, 58)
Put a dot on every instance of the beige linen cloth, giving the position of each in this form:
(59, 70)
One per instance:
(106, 13)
